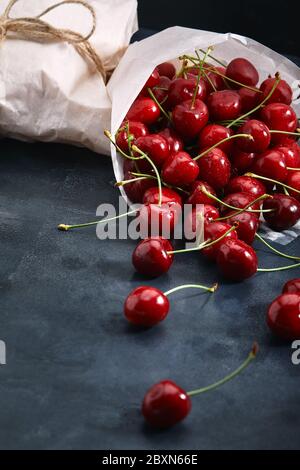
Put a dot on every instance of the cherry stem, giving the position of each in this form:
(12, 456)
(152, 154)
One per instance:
(260, 105)
(129, 157)
(65, 228)
(137, 150)
(274, 131)
(246, 136)
(282, 268)
(201, 62)
(216, 72)
(140, 178)
(244, 209)
(214, 58)
(193, 286)
(252, 355)
(292, 169)
(253, 175)
(284, 255)
(238, 209)
(159, 105)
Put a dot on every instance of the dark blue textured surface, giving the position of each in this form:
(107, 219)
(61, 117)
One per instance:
(75, 373)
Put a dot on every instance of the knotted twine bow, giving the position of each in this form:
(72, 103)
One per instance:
(38, 30)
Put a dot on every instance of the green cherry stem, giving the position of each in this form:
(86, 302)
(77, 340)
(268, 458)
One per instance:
(214, 58)
(292, 169)
(253, 175)
(140, 178)
(137, 150)
(229, 206)
(193, 286)
(236, 136)
(252, 355)
(66, 228)
(163, 111)
(244, 209)
(284, 255)
(274, 131)
(282, 268)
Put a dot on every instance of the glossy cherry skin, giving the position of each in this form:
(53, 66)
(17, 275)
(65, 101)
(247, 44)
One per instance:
(213, 231)
(286, 211)
(136, 190)
(241, 70)
(195, 219)
(214, 133)
(158, 220)
(136, 130)
(215, 168)
(144, 110)
(236, 260)
(279, 116)
(153, 80)
(271, 164)
(291, 287)
(161, 90)
(175, 142)
(214, 79)
(165, 404)
(197, 195)
(182, 89)
(166, 69)
(291, 155)
(224, 105)
(282, 93)
(249, 99)
(189, 118)
(293, 180)
(180, 170)
(283, 316)
(241, 161)
(260, 134)
(151, 257)
(156, 147)
(151, 196)
(245, 184)
(247, 225)
(240, 201)
(146, 306)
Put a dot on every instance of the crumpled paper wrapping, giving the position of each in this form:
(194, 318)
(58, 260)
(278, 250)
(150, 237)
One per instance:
(48, 92)
(142, 57)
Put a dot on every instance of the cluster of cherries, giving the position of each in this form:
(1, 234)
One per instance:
(209, 137)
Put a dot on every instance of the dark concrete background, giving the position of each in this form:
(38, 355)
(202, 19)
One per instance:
(76, 373)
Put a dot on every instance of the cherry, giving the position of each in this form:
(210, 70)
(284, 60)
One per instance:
(153, 256)
(281, 117)
(283, 316)
(246, 225)
(292, 287)
(245, 184)
(134, 129)
(153, 80)
(241, 161)
(215, 82)
(136, 189)
(166, 69)
(224, 105)
(144, 110)
(197, 195)
(151, 196)
(291, 155)
(214, 133)
(213, 231)
(260, 133)
(189, 117)
(285, 214)
(175, 142)
(180, 170)
(156, 147)
(159, 219)
(249, 99)
(240, 201)
(194, 220)
(215, 168)
(146, 306)
(282, 93)
(236, 260)
(293, 180)
(242, 71)
(271, 164)
(161, 90)
(182, 89)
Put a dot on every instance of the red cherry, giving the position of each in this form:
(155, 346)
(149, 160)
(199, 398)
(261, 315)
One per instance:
(180, 170)
(151, 257)
(215, 82)
(189, 118)
(215, 168)
(245, 184)
(153, 80)
(282, 93)
(236, 260)
(146, 306)
(197, 195)
(135, 190)
(182, 89)
(151, 196)
(166, 69)
(144, 110)
(213, 231)
(161, 90)
(283, 316)
(194, 220)
(165, 404)
(293, 180)
(249, 99)
(159, 220)
(292, 287)
(247, 225)
(291, 155)
(286, 211)
(260, 133)
(136, 130)
(281, 117)
(224, 105)
(214, 133)
(156, 147)
(271, 164)
(242, 71)
(175, 142)
(241, 161)
(240, 201)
